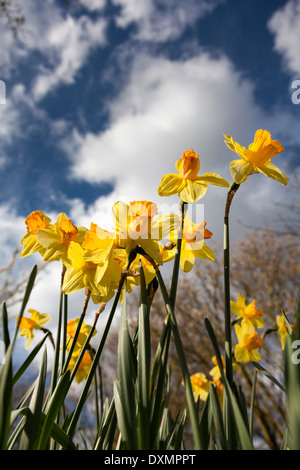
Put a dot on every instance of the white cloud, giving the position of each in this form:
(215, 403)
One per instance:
(63, 42)
(160, 21)
(70, 42)
(93, 5)
(285, 25)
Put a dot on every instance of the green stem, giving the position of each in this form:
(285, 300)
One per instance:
(228, 343)
(252, 403)
(176, 264)
(227, 318)
(57, 343)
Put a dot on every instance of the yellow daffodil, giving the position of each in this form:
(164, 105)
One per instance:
(84, 366)
(193, 245)
(136, 226)
(36, 221)
(36, 322)
(200, 386)
(249, 312)
(282, 329)
(187, 184)
(56, 240)
(248, 343)
(256, 158)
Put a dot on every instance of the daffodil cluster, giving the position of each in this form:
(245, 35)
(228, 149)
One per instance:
(94, 258)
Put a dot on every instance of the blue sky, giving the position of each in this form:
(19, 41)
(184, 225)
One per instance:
(103, 96)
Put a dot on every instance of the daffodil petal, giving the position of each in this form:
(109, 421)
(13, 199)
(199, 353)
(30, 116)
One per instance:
(255, 355)
(73, 281)
(163, 225)
(120, 217)
(241, 354)
(212, 178)
(152, 249)
(170, 184)
(205, 252)
(187, 260)
(272, 171)
(240, 170)
(193, 191)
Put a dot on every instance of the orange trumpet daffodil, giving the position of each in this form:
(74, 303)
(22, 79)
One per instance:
(56, 239)
(187, 184)
(36, 221)
(36, 321)
(249, 312)
(256, 158)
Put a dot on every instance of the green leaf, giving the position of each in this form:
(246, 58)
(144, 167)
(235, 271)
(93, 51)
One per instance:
(53, 409)
(6, 388)
(5, 330)
(218, 417)
(240, 426)
(143, 367)
(261, 369)
(31, 428)
(29, 359)
(125, 390)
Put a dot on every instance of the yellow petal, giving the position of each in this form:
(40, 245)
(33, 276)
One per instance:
(240, 170)
(193, 191)
(170, 184)
(187, 260)
(212, 178)
(272, 171)
(151, 247)
(255, 355)
(163, 225)
(241, 354)
(73, 281)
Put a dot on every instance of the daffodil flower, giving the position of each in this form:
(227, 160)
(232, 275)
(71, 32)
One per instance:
(135, 225)
(36, 221)
(36, 322)
(256, 158)
(282, 329)
(56, 240)
(248, 343)
(200, 386)
(193, 245)
(249, 312)
(187, 184)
